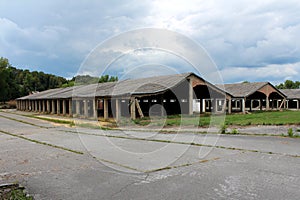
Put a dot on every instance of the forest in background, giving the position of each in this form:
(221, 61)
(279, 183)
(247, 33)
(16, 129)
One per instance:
(15, 83)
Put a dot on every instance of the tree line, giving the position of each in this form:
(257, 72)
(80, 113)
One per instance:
(288, 84)
(15, 83)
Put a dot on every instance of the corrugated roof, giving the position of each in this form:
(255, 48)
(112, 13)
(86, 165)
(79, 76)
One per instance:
(243, 89)
(291, 93)
(150, 85)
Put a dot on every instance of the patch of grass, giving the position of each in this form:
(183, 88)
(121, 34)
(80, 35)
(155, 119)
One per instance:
(13, 192)
(93, 126)
(17, 194)
(59, 121)
(256, 118)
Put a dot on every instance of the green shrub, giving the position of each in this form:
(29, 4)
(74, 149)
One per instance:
(223, 129)
(290, 132)
(234, 131)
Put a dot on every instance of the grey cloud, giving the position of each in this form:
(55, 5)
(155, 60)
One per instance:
(58, 35)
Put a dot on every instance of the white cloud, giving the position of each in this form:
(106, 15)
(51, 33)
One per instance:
(274, 73)
(248, 33)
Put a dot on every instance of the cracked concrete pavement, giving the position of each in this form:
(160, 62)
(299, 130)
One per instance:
(117, 165)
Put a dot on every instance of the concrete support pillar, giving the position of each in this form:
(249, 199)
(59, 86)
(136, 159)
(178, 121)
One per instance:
(284, 103)
(95, 108)
(118, 110)
(260, 104)
(70, 107)
(48, 106)
(106, 108)
(77, 107)
(58, 106)
(28, 105)
(162, 110)
(297, 104)
(190, 99)
(53, 111)
(32, 105)
(64, 107)
(229, 106)
(211, 105)
(216, 105)
(35, 109)
(85, 108)
(267, 103)
(132, 108)
(40, 106)
(251, 104)
(44, 106)
(203, 105)
(244, 106)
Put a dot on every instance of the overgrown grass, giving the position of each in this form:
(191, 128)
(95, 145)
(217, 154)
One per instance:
(59, 121)
(255, 118)
(265, 118)
(16, 194)
(13, 192)
(223, 129)
(290, 133)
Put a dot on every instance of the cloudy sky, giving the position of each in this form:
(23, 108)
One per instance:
(250, 40)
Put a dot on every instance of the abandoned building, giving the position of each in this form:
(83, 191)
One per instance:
(255, 96)
(160, 95)
(293, 98)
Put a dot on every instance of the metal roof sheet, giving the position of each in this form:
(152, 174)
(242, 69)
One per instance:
(291, 93)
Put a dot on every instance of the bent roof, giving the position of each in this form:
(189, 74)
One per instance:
(245, 89)
(291, 93)
(150, 85)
